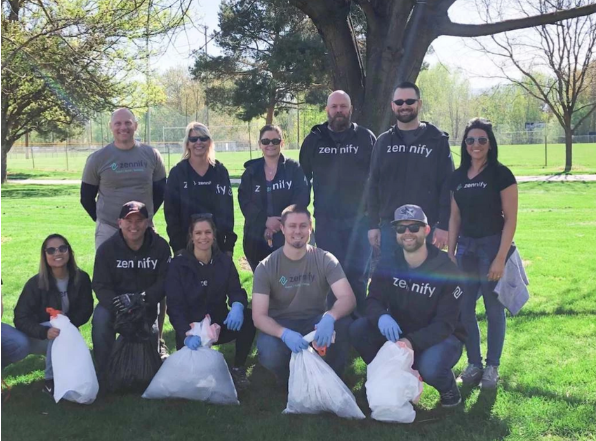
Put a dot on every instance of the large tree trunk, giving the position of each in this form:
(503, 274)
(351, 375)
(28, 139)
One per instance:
(568, 149)
(6, 146)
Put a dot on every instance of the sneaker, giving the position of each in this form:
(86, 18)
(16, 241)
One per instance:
(239, 376)
(471, 375)
(163, 350)
(490, 377)
(48, 387)
(452, 397)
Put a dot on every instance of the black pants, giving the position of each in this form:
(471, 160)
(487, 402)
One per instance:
(257, 248)
(244, 337)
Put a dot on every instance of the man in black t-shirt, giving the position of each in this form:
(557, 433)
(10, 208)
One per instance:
(336, 156)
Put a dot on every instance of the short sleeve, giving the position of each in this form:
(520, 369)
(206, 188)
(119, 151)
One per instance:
(260, 282)
(159, 172)
(90, 175)
(505, 178)
(333, 269)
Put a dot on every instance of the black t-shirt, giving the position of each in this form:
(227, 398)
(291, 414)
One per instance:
(479, 199)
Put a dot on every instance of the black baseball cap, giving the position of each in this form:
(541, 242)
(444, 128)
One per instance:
(134, 207)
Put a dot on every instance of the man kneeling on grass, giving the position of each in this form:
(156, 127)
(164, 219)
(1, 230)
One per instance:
(415, 293)
(290, 288)
(130, 264)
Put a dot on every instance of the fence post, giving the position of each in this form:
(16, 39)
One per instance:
(249, 142)
(168, 146)
(32, 157)
(66, 153)
(545, 151)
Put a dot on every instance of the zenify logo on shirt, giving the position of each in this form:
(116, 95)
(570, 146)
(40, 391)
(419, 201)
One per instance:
(295, 281)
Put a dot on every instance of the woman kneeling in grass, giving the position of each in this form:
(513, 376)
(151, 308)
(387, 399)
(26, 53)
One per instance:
(60, 285)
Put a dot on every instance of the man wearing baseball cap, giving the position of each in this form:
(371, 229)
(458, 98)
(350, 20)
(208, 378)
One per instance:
(414, 297)
(132, 263)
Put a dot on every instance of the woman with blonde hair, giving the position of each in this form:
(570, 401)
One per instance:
(199, 184)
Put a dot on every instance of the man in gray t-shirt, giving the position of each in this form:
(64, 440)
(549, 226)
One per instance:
(120, 172)
(290, 288)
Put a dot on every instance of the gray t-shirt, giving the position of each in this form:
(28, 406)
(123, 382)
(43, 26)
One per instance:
(123, 176)
(297, 289)
(62, 285)
(409, 136)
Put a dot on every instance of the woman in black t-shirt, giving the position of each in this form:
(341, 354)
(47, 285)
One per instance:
(481, 227)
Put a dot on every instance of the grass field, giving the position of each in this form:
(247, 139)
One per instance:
(548, 388)
(522, 159)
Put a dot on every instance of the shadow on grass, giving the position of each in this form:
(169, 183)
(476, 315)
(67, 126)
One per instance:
(37, 191)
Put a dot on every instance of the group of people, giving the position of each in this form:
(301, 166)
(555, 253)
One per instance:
(396, 200)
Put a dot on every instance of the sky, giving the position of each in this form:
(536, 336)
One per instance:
(453, 52)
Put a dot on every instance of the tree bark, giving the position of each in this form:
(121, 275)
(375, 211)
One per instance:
(6, 146)
(568, 149)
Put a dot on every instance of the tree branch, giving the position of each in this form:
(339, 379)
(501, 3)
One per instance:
(469, 30)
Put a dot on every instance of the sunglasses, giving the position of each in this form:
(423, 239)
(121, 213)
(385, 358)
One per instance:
(409, 102)
(201, 216)
(482, 140)
(414, 228)
(274, 141)
(197, 138)
(52, 250)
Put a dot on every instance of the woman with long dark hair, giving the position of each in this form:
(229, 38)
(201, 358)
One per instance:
(481, 229)
(199, 184)
(202, 280)
(269, 184)
(59, 284)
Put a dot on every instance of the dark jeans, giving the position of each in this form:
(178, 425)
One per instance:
(274, 355)
(257, 248)
(474, 257)
(243, 338)
(434, 364)
(347, 240)
(104, 336)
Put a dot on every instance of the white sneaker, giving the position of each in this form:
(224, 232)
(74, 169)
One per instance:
(490, 377)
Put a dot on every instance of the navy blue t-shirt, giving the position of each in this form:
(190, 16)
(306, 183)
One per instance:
(479, 199)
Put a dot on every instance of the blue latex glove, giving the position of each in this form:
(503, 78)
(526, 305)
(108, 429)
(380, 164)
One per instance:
(389, 328)
(294, 341)
(192, 342)
(324, 331)
(235, 317)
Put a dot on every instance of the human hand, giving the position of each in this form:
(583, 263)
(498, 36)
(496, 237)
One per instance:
(374, 238)
(273, 223)
(389, 328)
(324, 332)
(123, 301)
(294, 341)
(440, 238)
(495, 272)
(53, 333)
(192, 342)
(235, 317)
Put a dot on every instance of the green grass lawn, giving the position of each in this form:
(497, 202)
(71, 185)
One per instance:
(524, 160)
(548, 388)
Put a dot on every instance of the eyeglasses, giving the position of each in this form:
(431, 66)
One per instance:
(201, 216)
(482, 140)
(409, 102)
(52, 250)
(196, 138)
(414, 228)
(274, 141)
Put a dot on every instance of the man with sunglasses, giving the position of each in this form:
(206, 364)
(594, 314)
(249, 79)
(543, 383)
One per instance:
(414, 297)
(122, 171)
(336, 157)
(130, 264)
(411, 164)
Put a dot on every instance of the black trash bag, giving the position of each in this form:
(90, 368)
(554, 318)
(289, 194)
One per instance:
(134, 360)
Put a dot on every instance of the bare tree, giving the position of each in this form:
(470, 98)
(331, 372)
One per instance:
(552, 63)
(398, 35)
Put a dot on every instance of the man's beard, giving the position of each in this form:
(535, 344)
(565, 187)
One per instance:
(339, 123)
(420, 241)
(406, 118)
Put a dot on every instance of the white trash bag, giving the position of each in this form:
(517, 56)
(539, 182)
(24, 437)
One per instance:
(74, 374)
(392, 385)
(315, 388)
(201, 375)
